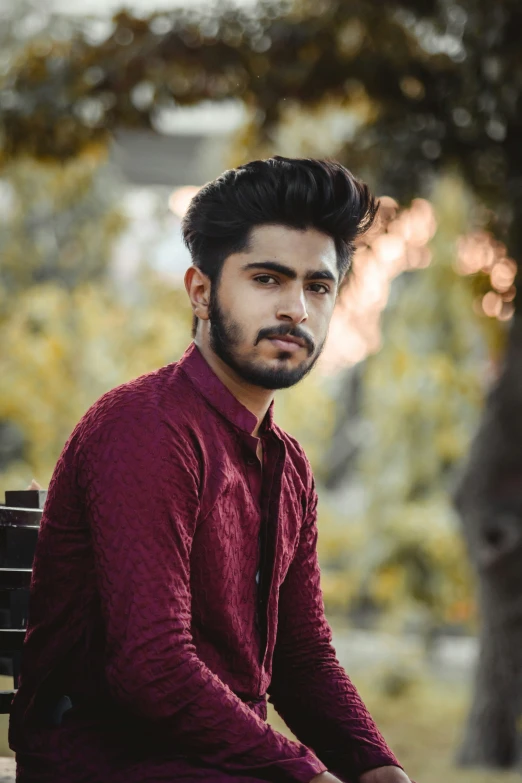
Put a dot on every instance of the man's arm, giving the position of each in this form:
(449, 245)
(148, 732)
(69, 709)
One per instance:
(309, 688)
(141, 483)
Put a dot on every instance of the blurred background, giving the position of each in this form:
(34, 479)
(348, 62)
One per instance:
(111, 118)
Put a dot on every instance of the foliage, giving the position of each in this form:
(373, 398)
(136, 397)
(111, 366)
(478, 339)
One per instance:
(393, 84)
(307, 411)
(57, 224)
(442, 78)
(71, 334)
(401, 552)
(410, 573)
(77, 345)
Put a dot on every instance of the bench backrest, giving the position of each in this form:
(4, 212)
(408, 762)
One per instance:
(19, 523)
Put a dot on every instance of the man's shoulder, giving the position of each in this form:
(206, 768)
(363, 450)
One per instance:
(141, 405)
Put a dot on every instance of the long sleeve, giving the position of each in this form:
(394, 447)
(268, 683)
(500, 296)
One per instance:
(141, 480)
(309, 688)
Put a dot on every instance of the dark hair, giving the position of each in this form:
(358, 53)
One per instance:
(299, 193)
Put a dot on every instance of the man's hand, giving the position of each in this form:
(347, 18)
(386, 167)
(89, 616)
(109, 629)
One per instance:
(379, 775)
(34, 485)
(384, 775)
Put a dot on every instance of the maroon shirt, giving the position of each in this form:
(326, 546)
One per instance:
(146, 610)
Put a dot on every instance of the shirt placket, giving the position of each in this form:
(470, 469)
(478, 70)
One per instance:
(261, 482)
(255, 480)
(268, 537)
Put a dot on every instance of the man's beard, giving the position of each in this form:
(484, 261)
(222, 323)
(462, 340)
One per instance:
(226, 336)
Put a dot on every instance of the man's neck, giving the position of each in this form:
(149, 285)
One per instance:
(254, 398)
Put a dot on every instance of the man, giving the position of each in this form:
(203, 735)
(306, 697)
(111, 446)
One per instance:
(176, 583)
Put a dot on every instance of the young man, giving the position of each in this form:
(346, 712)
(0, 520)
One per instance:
(176, 582)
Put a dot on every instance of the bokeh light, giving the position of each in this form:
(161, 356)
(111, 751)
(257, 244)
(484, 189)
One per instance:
(397, 242)
(479, 252)
(180, 199)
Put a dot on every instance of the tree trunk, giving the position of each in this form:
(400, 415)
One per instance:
(341, 456)
(489, 500)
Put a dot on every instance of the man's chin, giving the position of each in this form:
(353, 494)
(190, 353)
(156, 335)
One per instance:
(275, 374)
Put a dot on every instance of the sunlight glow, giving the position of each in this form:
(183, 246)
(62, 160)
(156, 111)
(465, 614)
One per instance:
(396, 242)
(179, 199)
(481, 252)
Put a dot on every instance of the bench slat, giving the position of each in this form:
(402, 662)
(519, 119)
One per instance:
(6, 697)
(15, 578)
(26, 498)
(11, 639)
(19, 517)
(17, 546)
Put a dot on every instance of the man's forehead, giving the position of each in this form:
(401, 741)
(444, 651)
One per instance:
(291, 245)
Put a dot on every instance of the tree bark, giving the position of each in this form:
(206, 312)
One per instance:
(341, 456)
(489, 501)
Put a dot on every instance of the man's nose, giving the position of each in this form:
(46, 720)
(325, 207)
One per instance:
(293, 307)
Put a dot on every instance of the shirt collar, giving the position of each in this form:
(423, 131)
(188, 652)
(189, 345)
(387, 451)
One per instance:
(216, 393)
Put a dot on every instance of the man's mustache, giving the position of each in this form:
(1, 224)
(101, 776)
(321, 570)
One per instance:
(284, 331)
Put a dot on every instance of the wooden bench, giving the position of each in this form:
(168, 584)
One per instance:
(19, 523)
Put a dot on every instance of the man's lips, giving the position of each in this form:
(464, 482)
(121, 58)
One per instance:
(287, 343)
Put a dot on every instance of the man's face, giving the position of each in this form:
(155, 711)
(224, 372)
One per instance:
(284, 285)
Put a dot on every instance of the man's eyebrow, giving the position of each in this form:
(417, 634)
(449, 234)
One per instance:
(287, 271)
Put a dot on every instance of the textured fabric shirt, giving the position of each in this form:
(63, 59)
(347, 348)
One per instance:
(146, 611)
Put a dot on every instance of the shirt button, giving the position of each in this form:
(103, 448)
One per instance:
(251, 461)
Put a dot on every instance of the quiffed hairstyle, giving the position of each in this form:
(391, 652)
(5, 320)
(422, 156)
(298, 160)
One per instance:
(298, 193)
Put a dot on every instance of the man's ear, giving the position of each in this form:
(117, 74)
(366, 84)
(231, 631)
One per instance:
(197, 284)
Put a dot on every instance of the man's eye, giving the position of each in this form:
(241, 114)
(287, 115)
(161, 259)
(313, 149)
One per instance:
(317, 288)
